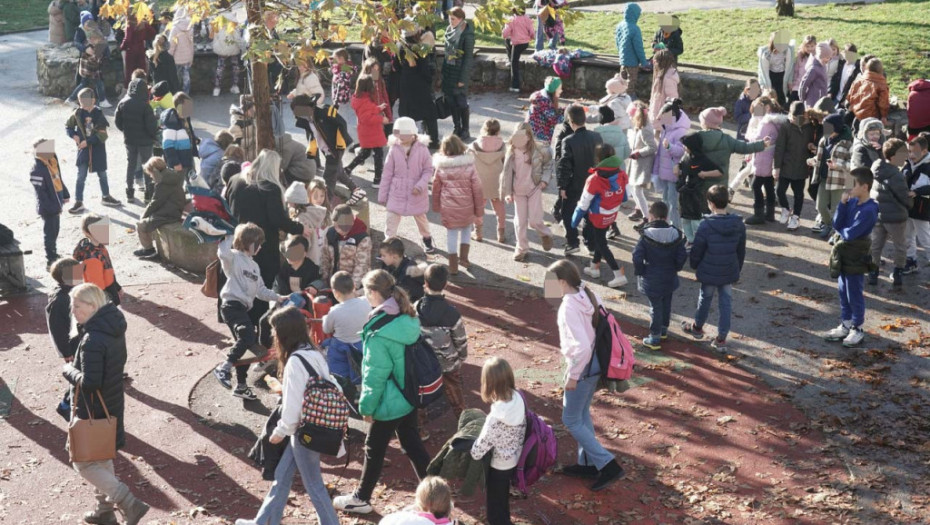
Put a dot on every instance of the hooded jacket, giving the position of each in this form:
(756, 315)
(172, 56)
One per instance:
(918, 180)
(244, 281)
(211, 160)
(178, 139)
(814, 84)
(667, 158)
(616, 136)
(503, 432)
(839, 152)
(657, 258)
(168, 200)
(719, 249)
(488, 152)
(576, 331)
(643, 149)
(348, 253)
(603, 194)
(98, 367)
(769, 126)
(454, 460)
(58, 320)
(918, 104)
(90, 126)
(863, 154)
(791, 150)
(543, 116)
(578, 157)
(409, 276)
(402, 173)
(542, 172)
(890, 191)
(135, 117)
(444, 330)
(629, 38)
(370, 129)
(869, 96)
(457, 194)
(181, 40)
(383, 364)
(519, 30)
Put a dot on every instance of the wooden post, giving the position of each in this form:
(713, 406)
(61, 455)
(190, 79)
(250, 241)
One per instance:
(261, 92)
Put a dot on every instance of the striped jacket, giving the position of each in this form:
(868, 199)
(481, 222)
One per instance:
(178, 140)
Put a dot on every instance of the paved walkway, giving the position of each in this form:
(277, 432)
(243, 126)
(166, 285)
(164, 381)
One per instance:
(676, 6)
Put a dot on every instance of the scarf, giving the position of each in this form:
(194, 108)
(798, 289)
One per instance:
(52, 164)
(453, 36)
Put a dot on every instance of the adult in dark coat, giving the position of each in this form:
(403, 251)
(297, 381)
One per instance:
(456, 68)
(416, 86)
(136, 119)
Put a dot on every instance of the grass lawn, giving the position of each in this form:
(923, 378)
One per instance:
(16, 15)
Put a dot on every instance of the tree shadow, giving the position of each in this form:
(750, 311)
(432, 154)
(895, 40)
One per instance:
(174, 322)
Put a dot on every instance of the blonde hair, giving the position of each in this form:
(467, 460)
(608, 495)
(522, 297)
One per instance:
(434, 496)
(497, 382)
(160, 45)
(89, 293)
(809, 39)
(523, 127)
(382, 282)
(247, 235)
(266, 167)
(153, 165)
(452, 146)
(640, 118)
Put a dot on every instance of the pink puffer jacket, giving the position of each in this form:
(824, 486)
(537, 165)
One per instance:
(667, 158)
(402, 173)
(457, 194)
(763, 161)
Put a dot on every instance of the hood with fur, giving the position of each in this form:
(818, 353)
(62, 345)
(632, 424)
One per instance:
(442, 162)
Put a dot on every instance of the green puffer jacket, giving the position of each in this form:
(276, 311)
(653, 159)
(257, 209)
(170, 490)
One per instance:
(851, 257)
(456, 66)
(454, 461)
(384, 351)
(718, 147)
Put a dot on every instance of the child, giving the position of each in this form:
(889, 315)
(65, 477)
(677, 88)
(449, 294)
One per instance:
(231, 164)
(769, 124)
(525, 176)
(346, 246)
(162, 66)
(629, 40)
(309, 210)
(847, 71)
(343, 70)
(611, 132)
(178, 138)
(407, 172)
(669, 37)
(88, 128)
(792, 149)
(599, 204)
(488, 152)
(457, 197)
(642, 140)
(831, 167)
(544, 113)
(371, 122)
(442, 327)
(868, 95)
(407, 273)
(167, 206)
(242, 126)
(181, 39)
(891, 192)
(433, 506)
(917, 172)
(503, 432)
(618, 100)
(89, 75)
(92, 252)
(67, 274)
(741, 113)
(674, 124)
(776, 67)
(211, 153)
(308, 83)
(691, 201)
(51, 194)
(243, 285)
(815, 83)
(372, 68)
(228, 46)
(855, 217)
(665, 82)
(658, 257)
(717, 258)
(344, 324)
(867, 147)
(805, 50)
(517, 35)
(162, 101)
(331, 136)
(299, 273)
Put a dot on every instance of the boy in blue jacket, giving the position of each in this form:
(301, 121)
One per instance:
(87, 127)
(51, 194)
(850, 260)
(658, 257)
(629, 41)
(717, 258)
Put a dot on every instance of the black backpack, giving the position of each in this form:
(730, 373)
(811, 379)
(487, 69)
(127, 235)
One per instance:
(422, 371)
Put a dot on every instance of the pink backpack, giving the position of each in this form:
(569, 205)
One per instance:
(612, 349)
(540, 450)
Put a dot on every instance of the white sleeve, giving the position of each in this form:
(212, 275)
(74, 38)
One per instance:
(295, 382)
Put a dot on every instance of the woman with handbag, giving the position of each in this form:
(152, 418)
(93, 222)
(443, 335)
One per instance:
(308, 366)
(96, 377)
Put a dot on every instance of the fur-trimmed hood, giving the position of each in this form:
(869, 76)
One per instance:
(443, 162)
(775, 118)
(422, 139)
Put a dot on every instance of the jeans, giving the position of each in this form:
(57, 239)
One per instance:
(852, 302)
(96, 83)
(497, 494)
(660, 312)
(705, 298)
(184, 74)
(880, 234)
(136, 157)
(540, 34)
(797, 188)
(690, 227)
(237, 318)
(108, 489)
(576, 416)
(51, 225)
(456, 237)
(515, 52)
(379, 436)
(82, 176)
(296, 457)
(670, 197)
(338, 355)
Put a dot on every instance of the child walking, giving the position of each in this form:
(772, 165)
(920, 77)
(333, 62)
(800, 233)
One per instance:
(856, 215)
(503, 432)
(243, 285)
(717, 257)
(343, 70)
(344, 324)
(674, 124)
(308, 83)
(407, 171)
(642, 139)
(658, 257)
(51, 194)
(894, 200)
(92, 252)
(488, 152)
(457, 197)
(371, 122)
(88, 128)
(525, 176)
(917, 172)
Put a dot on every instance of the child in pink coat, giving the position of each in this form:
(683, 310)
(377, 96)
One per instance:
(457, 197)
(517, 34)
(404, 184)
(765, 122)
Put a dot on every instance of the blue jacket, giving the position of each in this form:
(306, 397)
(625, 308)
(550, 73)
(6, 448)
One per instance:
(211, 159)
(178, 140)
(91, 127)
(742, 115)
(855, 221)
(630, 39)
(658, 257)
(48, 201)
(719, 249)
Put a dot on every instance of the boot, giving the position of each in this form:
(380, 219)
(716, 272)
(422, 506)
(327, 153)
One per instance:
(463, 122)
(896, 280)
(770, 212)
(100, 517)
(133, 509)
(432, 128)
(758, 216)
(463, 255)
(457, 122)
(130, 195)
(453, 264)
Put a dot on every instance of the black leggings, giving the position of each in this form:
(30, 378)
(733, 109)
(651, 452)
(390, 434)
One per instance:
(363, 155)
(242, 327)
(498, 496)
(778, 84)
(760, 201)
(601, 249)
(514, 52)
(797, 188)
(379, 436)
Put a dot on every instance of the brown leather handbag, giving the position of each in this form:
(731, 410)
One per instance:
(91, 439)
(211, 279)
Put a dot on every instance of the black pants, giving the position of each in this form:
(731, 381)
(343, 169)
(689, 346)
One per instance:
(50, 228)
(237, 318)
(136, 157)
(333, 172)
(379, 436)
(797, 188)
(602, 249)
(778, 84)
(760, 202)
(432, 128)
(568, 209)
(498, 496)
(515, 52)
(363, 155)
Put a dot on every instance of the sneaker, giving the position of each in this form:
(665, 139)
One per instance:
(837, 334)
(910, 267)
(424, 435)
(104, 104)
(519, 257)
(357, 196)
(653, 342)
(351, 503)
(579, 471)
(547, 243)
(641, 226)
(223, 376)
(607, 475)
(817, 227)
(719, 345)
(614, 232)
(636, 215)
(618, 280)
(785, 215)
(145, 253)
(216, 92)
(896, 280)
(855, 337)
(514, 90)
(571, 249)
(793, 223)
(76, 208)
(110, 201)
(592, 271)
(689, 328)
(244, 392)
(246, 522)
(428, 245)
(873, 278)
(664, 334)
(590, 251)
(234, 89)
(376, 183)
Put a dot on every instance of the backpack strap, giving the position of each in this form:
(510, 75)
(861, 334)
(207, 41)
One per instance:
(313, 373)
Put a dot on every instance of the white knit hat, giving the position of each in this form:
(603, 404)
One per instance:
(405, 126)
(297, 194)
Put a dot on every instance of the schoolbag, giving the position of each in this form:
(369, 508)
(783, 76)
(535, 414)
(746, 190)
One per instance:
(611, 347)
(324, 416)
(540, 450)
(422, 371)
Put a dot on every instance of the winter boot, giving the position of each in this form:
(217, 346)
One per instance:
(770, 212)
(896, 277)
(133, 509)
(103, 513)
(757, 217)
(453, 264)
(457, 122)
(464, 118)
(432, 128)
(463, 255)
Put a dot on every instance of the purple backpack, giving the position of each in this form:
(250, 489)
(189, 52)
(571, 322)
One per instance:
(540, 450)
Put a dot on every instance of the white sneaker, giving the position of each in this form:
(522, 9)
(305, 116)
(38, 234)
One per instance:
(785, 215)
(837, 334)
(216, 92)
(593, 272)
(793, 223)
(246, 522)
(104, 104)
(618, 280)
(351, 503)
(234, 90)
(856, 335)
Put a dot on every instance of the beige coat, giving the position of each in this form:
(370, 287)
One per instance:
(489, 165)
(642, 141)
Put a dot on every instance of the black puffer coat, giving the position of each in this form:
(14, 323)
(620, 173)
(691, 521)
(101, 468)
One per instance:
(416, 86)
(135, 117)
(98, 366)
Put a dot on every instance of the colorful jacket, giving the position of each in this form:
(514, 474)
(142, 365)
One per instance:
(383, 364)
(443, 328)
(503, 433)
(51, 192)
(763, 162)
(629, 38)
(840, 148)
(543, 116)
(603, 194)
(90, 126)
(342, 82)
(457, 194)
(178, 140)
(98, 268)
(370, 118)
(402, 173)
(347, 253)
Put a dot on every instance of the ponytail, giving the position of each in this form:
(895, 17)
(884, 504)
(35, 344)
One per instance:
(403, 301)
(382, 282)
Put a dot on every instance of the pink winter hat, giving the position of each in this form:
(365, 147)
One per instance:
(616, 85)
(712, 118)
(824, 51)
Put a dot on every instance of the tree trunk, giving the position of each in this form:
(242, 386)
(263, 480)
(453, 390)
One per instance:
(261, 92)
(785, 8)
